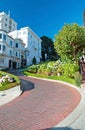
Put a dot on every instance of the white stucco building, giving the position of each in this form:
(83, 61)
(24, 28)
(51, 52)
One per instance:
(17, 47)
(11, 51)
(32, 43)
(6, 23)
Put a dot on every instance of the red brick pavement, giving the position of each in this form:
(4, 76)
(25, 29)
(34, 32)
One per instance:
(40, 108)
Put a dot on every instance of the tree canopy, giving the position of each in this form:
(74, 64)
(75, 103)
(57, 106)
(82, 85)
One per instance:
(48, 48)
(70, 42)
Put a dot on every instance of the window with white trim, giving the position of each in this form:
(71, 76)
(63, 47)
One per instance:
(0, 47)
(10, 52)
(10, 43)
(4, 48)
(4, 37)
(16, 45)
(0, 35)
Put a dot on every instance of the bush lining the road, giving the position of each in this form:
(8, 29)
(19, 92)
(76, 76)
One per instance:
(56, 70)
(61, 78)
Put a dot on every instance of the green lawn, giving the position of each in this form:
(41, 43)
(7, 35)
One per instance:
(61, 78)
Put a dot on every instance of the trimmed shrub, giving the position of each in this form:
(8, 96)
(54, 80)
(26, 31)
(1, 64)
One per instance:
(68, 69)
(48, 71)
(42, 69)
(34, 60)
(33, 68)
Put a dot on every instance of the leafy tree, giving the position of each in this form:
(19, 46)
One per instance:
(48, 48)
(70, 42)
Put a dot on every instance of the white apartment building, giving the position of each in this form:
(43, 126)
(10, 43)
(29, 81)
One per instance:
(32, 43)
(6, 23)
(11, 51)
(17, 47)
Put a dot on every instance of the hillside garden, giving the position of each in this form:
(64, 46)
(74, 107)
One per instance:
(68, 72)
(69, 44)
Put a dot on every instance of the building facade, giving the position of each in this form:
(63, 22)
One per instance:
(11, 51)
(17, 47)
(6, 23)
(32, 43)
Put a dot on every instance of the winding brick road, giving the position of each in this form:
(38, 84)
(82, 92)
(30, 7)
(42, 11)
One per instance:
(42, 105)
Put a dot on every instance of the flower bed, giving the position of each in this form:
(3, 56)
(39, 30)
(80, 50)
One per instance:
(8, 81)
(64, 71)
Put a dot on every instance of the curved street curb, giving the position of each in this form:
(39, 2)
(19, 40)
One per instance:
(71, 120)
(10, 94)
(79, 89)
(75, 115)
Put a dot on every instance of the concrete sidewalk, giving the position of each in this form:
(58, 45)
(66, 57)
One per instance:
(8, 95)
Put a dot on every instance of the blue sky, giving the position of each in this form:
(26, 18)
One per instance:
(44, 17)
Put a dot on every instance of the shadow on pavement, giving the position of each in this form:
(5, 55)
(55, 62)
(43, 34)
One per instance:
(26, 85)
(61, 128)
